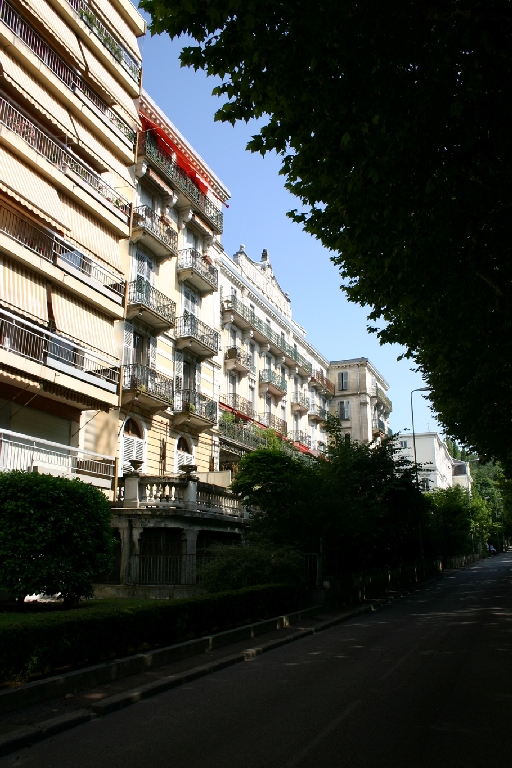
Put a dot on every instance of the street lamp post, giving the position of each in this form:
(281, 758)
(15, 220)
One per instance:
(420, 389)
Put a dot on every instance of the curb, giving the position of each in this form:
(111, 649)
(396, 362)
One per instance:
(25, 737)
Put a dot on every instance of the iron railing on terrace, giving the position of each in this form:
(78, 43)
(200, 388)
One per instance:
(243, 434)
(272, 422)
(300, 398)
(196, 403)
(318, 376)
(189, 258)
(166, 569)
(266, 330)
(29, 341)
(148, 380)
(22, 452)
(317, 410)
(190, 325)
(267, 376)
(106, 38)
(240, 404)
(162, 157)
(241, 356)
(50, 247)
(57, 155)
(297, 436)
(66, 74)
(383, 398)
(147, 218)
(142, 292)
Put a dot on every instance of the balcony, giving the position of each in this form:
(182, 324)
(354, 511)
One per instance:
(300, 438)
(317, 413)
(322, 383)
(383, 399)
(242, 435)
(239, 404)
(150, 388)
(193, 268)
(22, 338)
(60, 157)
(299, 403)
(151, 229)
(270, 421)
(235, 311)
(160, 156)
(66, 74)
(24, 453)
(197, 410)
(151, 306)
(238, 359)
(118, 51)
(198, 337)
(273, 382)
(53, 249)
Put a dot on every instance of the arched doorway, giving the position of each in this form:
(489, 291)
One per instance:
(133, 443)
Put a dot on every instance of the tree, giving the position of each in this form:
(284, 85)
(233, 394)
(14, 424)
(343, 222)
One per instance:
(449, 522)
(55, 535)
(393, 121)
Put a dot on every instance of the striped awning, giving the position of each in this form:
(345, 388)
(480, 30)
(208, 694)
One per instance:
(100, 152)
(25, 186)
(23, 291)
(56, 26)
(116, 22)
(104, 79)
(91, 234)
(80, 322)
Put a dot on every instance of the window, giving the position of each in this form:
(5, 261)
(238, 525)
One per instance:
(184, 446)
(404, 444)
(342, 380)
(145, 267)
(133, 444)
(190, 301)
(344, 410)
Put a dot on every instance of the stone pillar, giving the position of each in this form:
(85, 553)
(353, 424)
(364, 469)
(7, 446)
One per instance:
(124, 534)
(189, 554)
(131, 490)
(134, 566)
(190, 494)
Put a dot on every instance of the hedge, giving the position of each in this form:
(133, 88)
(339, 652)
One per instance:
(41, 644)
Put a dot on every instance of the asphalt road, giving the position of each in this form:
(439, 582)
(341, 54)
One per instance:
(425, 682)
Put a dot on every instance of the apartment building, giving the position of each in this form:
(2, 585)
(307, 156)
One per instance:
(436, 467)
(271, 376)
(360, 399)
(70, 74)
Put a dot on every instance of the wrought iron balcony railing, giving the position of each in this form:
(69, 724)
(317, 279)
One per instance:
(303, 438)
(50, 247)
(272, 422)
(196, 403)
(317, 410)
(162, 157)
(266, 331)
(317, 377)
(241, 356)
(142, 292)
(149, 381)
(192, 259)
(22, 453)
(245, 435)
(268, 376)
(299, 398)
(383, 398)
(22, 338)
(239, 404)
(57, 155)
(146, 218)
(106, 38)
(58, 66)
(190, 325)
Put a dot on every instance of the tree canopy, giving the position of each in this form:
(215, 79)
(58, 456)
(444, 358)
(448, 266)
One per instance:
(393, 122)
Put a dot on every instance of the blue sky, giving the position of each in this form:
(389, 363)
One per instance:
(257, 218)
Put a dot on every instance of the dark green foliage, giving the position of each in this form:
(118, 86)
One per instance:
(39, 644)
(448, 523)
(55, 535)
(394, 121)
(235, 567)
(361, 505)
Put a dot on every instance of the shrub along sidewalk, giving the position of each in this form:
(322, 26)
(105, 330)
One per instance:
(36, 644)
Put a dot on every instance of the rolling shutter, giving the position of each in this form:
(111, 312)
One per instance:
(23, 291)
(80, 322)
(88, 232)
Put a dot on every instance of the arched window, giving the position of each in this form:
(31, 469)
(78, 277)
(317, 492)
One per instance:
(183, 445)
(133, 444)
(184, 453)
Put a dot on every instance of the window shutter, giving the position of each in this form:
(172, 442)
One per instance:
(152, 352)
(344, 411)
(128, 343)
(178, 371)
(198, 377)
(343, 380)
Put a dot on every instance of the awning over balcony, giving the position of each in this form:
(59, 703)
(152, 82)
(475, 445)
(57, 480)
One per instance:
(100, 152)
(116, 21)
(109, 84)
(89, 232)
(25, 186)
(23, 291)
(80, 322)
(56, 26)
(31, 90)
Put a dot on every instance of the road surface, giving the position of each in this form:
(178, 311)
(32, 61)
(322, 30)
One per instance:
(425, 682)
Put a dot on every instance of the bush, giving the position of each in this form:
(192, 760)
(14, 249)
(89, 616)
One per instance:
(235, 567)
(39, 644)
(55, 535)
